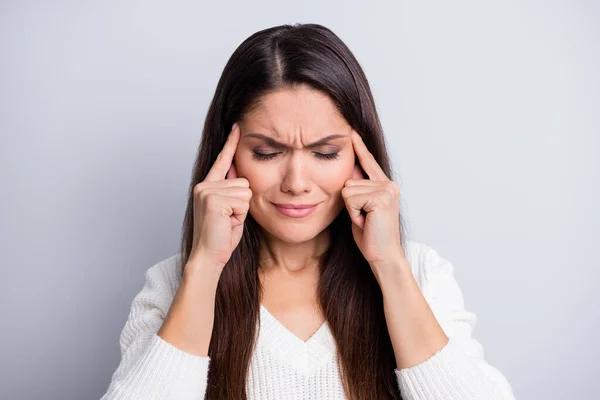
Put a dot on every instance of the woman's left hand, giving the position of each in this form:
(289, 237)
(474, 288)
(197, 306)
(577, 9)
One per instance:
(374, 208)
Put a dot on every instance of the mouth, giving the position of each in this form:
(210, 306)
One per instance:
(295, 210)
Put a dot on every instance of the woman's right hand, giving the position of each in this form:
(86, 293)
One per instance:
(221, 204)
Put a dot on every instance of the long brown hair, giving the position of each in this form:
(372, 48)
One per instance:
(349, 295)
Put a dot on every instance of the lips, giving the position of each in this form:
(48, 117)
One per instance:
(295, 206)
(296, 210)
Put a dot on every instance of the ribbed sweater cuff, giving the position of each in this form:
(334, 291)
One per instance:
(165, 372)
(450, 374)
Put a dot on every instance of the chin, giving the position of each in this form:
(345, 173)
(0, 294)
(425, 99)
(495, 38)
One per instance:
(295, 230)
(292, 232)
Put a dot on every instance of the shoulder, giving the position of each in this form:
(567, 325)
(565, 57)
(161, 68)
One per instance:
(429, 268)
(165, 275)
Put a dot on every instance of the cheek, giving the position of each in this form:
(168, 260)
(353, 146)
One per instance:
(334, 176)
(345, 168)
(243, 165)
(247, 168)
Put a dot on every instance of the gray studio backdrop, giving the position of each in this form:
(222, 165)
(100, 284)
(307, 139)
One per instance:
(491, 110)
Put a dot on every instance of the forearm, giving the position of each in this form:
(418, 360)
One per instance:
(189, 322)
(414, 331)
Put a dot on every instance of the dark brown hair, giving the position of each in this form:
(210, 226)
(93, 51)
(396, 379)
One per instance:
(349, 295)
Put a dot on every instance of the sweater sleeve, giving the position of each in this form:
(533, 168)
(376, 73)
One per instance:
(458, 371)
(150, 367)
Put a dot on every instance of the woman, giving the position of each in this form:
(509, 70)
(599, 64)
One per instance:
(294, 279)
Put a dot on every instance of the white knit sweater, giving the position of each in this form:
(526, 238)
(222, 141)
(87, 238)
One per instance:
(285, 367)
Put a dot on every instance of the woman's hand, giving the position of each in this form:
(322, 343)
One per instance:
(221, 204)
(373, 205)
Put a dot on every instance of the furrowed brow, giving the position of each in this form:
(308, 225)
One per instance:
(274, 143)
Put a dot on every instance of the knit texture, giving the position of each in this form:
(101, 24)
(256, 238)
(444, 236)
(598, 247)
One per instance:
(285, 367)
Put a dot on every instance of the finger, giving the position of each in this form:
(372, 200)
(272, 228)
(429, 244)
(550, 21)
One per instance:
(362, 182)
(239, 210)
(236, 208)
(357, 172)
(238, 192)
(225, 157)
(366, 159)
(232, 173)
(241, 182)
(350, 191)
(354, 205)
(225, 183)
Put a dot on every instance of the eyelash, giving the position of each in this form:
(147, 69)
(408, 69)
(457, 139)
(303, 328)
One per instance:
(265, 157)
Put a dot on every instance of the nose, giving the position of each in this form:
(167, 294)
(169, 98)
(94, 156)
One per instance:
(295, 175)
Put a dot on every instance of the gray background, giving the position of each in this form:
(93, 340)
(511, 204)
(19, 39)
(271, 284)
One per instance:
(491, 110)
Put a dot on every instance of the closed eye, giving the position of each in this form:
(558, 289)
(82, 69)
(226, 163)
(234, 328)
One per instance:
(327, 156)
(269, 156)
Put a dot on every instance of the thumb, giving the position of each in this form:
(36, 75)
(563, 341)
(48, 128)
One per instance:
(354, 206)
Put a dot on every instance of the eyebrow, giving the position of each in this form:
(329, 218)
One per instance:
(274, 143)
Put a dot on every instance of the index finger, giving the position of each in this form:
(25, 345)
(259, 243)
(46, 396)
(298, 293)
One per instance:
(225, 157)
(366, 159)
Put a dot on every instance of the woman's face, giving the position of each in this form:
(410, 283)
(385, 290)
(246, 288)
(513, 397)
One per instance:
(276, 156)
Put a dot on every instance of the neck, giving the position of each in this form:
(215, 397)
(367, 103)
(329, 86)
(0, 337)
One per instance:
(292, 258)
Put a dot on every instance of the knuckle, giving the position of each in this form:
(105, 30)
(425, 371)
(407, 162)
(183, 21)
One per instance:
(204, 196)
(246, 205)
(198, 188)
(392, 188)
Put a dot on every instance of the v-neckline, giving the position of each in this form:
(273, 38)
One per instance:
(306, 356)
(281, 327)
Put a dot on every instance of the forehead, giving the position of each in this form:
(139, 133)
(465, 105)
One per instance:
(297, 110)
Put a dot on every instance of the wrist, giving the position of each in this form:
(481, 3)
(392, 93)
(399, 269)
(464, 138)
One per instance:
(200, 264)
(391, 271)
